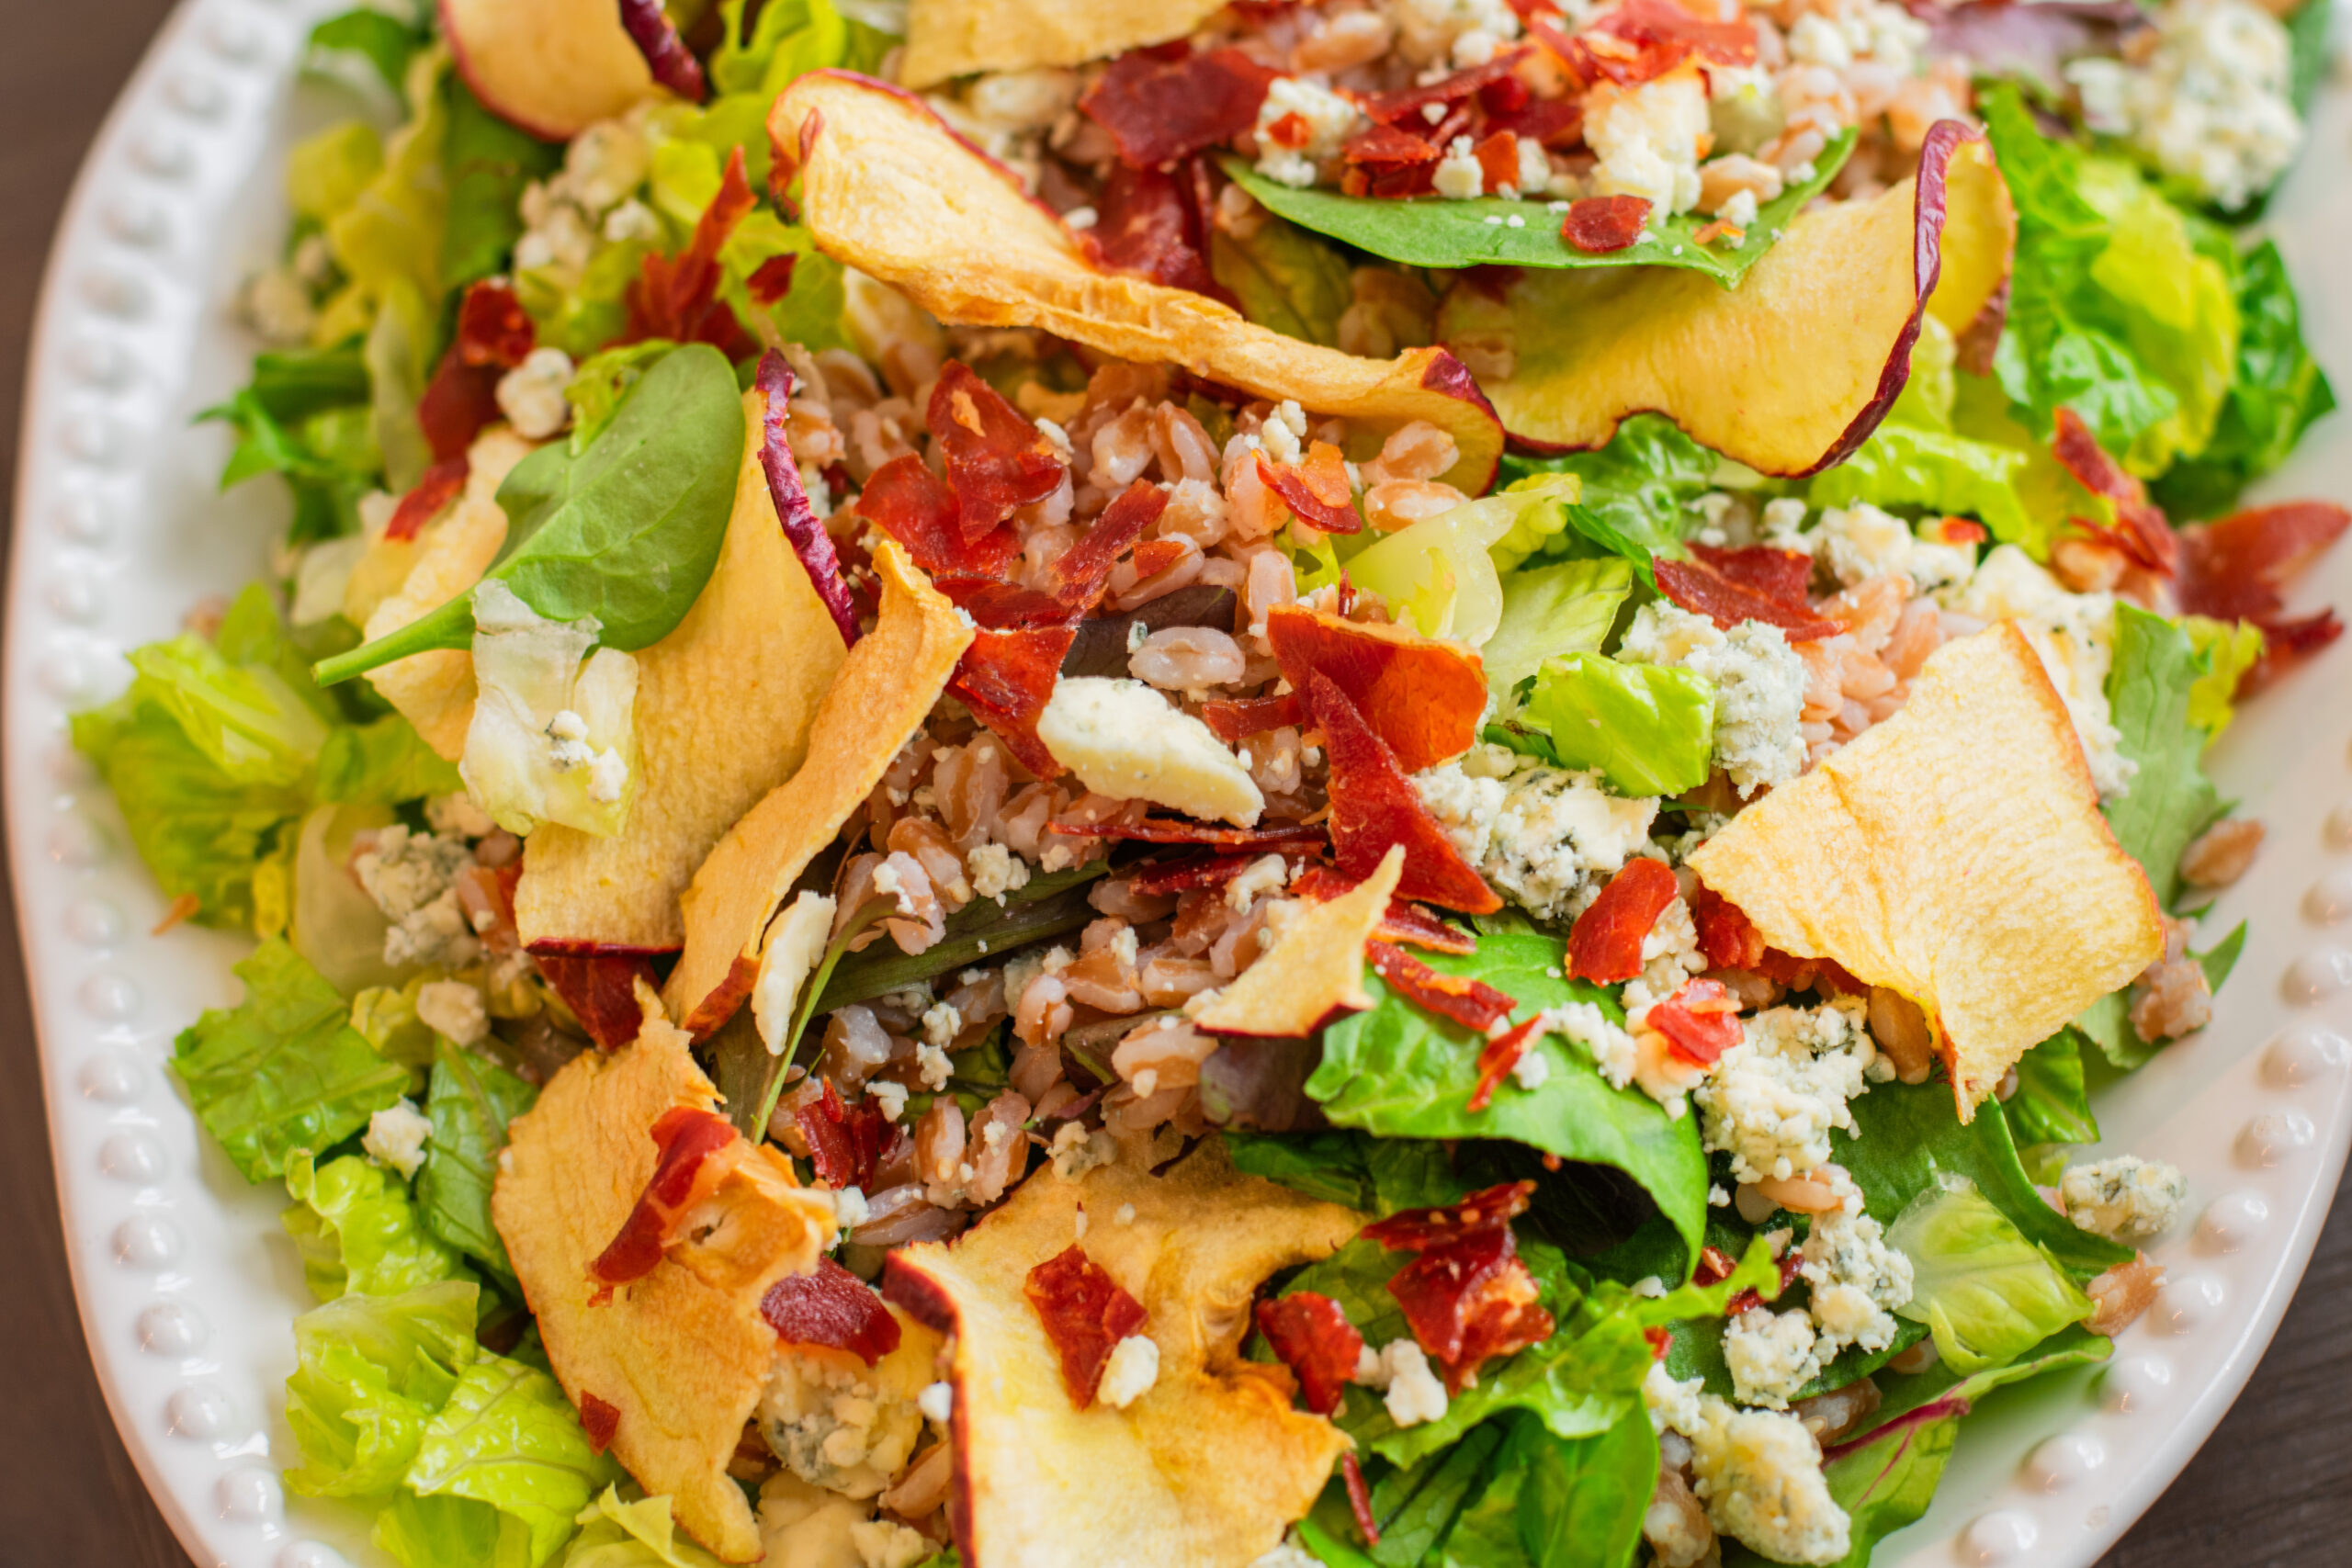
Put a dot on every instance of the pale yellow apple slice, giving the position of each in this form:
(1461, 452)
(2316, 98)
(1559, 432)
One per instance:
(551, 67)
(1314, 970)
(886, 188)
(956, 37)
(1955, 854)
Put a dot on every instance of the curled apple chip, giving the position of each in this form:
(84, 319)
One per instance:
(885, 688)
(1788, 371)
(724, 706)
(398, 579)
(551, 67)
(1210, 1462)
(683, 1352)
(886, 188)
(955, 38)
(1314, 969)
(1955, 854)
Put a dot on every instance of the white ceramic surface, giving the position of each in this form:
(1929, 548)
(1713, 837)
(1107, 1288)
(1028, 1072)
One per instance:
(184, 1279)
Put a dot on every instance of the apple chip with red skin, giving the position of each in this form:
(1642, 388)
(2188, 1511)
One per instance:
(1955, 854)
(956, 37)
(1212, 1462)
(1787, 372)
(679, 1353)
(888, 188)
(551, 67)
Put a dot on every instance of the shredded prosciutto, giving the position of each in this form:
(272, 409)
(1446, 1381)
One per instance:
(1234, 722)
(1472, 1004)
(1160, 110)
(1703, 591)
(1661, 1339)
(1471, 1300)
(492, 327)
(2142, 530)
(1423, 696)
(1312, 1336)
(1178, 830)
(2235, 570)
(666, 55)
(1666, 22)
(1499, 1056)
(1316, 489)
(1359, 1498)
(1605, 945)
(1726, 936)
(1145, 226)
(1388, 147)
(1700, 1022)
(1599, 224)
(1405, 925)
(1389, 182)
(832, 1307)
(1406, 104)
(436, 489)
(601, 990)
(996, 460)
(1006, 678)
(1777, 574)
(1550, 122)
(685, 1174)
(600, 1419)
(459, 400)
(845, 1146)
(1491, 1208)
(1290, 130)
(1159, 879)
(914, 506)
(677, 296)
(803, 529)
(1497, 156)
(1715, 1265)
(771, 279)
(1790, 1261)
(1506, 95)
(1373, 805)
(1086, 1314)
(1954, 531)
(1084, 569)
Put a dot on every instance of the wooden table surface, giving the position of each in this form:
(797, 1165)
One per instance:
(2269, 1490)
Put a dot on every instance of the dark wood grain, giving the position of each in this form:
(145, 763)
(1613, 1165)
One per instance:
(2273, 1489)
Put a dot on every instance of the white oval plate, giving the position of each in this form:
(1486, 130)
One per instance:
(186, 1281)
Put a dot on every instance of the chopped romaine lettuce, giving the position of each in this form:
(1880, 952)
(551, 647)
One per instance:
(485, 163)
(2051, 1105)
(1984, 1292)
(471, 1104)
(2150, 688)
(1650, 729)
(358, 1233)
(615, 1533)
(2228, 649)
(372, 1371)
(1566, 607)
(1637, 491)
(328, 169)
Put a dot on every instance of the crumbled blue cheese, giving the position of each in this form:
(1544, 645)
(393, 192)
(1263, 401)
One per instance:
(2123, 1197)
(834, 1430)
(2210, 105)
(1460, 33)
(531, 395)
(887, 1543)
(452, 1008)
(396, 1137)
(1459, 176)
(1610, 1047)
(1288, 1553)
(554, 726)
(1738, 209)
(412, 878)
(1857, 1281)
(995, 871)
(1773, 1100)
(1856, 542)
(1128, 1375)
(1546, 838)
(1075, 1150)
(1885, 34)
(1124, 740)
(1760, 1474)
(937, 1402)
(2074, 634)
(1648, 137)
(564, 217)
(1330, 119)
(1412, 1392)
(1759, 684)
(1771, 1355)
(1673, 1403)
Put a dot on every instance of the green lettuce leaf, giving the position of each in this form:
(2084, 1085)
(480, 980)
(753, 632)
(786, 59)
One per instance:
(381, 762)
(2051, 1105)
(384, 41)
(371, 1373)
(1398, 1071)
(1503, 231)
(1373, 1176)
(501, 1475)
(358, 1233)
(470, 1103)
(328, 169)
(1986, 1294)
(1415, 1505)
(305, 417)
(639, 1534)
(1560, 1502)
(284, 1070)
(1637, 491)
(1567, 607)
(1650, 728)
(1283, 278)
(485, 163)
(2170, 800)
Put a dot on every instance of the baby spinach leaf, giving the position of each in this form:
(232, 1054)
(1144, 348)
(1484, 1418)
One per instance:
(485, 163)
(470, 1103)
(628, 532)
(1050, 904)
(1414, 1506)
(1433, 232)
(1399, 1071)
(1561, 1502)
(1373, 1176)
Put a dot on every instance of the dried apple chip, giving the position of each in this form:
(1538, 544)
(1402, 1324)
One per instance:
(724, 706)
(678, 1355)
(1314, 969)
(1954, 853)
(1210, 1464)
(888, 188)
(1788, 371)
(885, 688)
(955, 38)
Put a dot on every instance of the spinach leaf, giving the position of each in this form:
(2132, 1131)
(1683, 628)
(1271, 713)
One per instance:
(283, 1070)
(305, 416)
(470, 1102)
(2170, 800)
(1398, 1071)
(383, 40)
(1637, 491)
(2051, 1105)
(1433, 231)
(1050, 904)
(1414, 1506)
(485, 163)
(1561, 1502)
(628, 532)
(1372, 1175)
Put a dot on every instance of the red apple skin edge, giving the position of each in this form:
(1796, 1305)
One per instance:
(545, 67)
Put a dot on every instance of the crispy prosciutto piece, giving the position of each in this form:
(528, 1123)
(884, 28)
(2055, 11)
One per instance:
(493, 336)
(1659, 22)
(1234, 722)
(1599, 224)
(1470, 1300)
(1499, 1057)
(2142, 530)
(845, 1146)
(1731, 940)
(666, 55)
(1491, 1208)
(1702, 589)
(1006, 678)
(1086, 1314)
(1159, 879)
(1605, 945)
(677, 296)
(771, 279)
(1472, 1004)
(1700, 1022)
(1406, 105)
(492, 327)
(2234, 569)
(1158, 110)
(436, 489)
(1149, 224)
(600, 1419)
(996, 460)
(1406, 925)
(1084, 569)
(696, 1146)
(1379, 146)
(802, 528)
(1316, 489)
(832, 1307)
(1373, 805)
(1777, 574)
(1359, 1498)
(1182, 830)
(1421, 695)
(914, 506)
(1790, 1261)
(601, 990)
(1312, 1336)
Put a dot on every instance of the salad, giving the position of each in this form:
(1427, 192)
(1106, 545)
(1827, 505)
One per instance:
(1365, 783)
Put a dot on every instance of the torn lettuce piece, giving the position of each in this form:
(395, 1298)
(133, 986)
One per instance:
(470, 1103)
(1650, 728)
(1566, 607)
(1285, 278)
(358, 1233)
(1984, 1292)
(554, 733)
(616, 1533)
(371, 1373)
(1636, 493)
